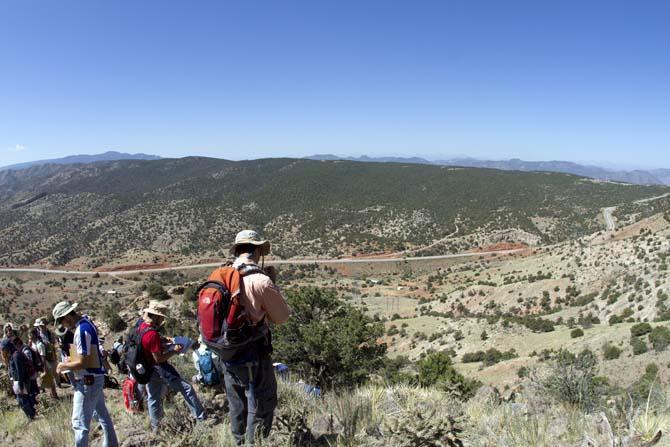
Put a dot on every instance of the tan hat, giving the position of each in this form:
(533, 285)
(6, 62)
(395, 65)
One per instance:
(253, 238)
(62, 309)
(156, 308)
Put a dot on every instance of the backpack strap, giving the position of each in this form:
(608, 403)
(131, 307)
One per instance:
(250, 269)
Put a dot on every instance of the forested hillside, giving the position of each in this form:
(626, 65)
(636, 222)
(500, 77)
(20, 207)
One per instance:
(193, 207)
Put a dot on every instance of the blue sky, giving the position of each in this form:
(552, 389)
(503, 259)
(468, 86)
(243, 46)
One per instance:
(584, 81)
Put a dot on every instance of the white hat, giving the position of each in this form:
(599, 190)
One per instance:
(253, 238)
(62, 309)
(156, 308)
(40, 322)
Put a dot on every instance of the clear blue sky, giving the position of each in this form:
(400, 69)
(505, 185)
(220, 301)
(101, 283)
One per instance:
(573, 80)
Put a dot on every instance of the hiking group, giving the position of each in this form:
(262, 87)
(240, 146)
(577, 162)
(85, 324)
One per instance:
(235, 305)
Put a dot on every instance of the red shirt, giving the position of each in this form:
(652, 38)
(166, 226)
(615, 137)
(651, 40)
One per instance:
(151, 343)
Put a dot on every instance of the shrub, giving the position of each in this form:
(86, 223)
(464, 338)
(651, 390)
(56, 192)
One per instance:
(643, 388)
(157, 292)
(615, 319)
(113, 320)
(660, 338)
(639, 346)
(572, 379)
(577, 332)
(331, 342)
(640, 329)
(490, 357)
(437, 369)
(189, 294)
(611, 352)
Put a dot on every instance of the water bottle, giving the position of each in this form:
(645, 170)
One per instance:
(140, 368)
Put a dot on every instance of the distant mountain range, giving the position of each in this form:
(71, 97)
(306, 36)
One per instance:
(84, 158)
(639, 177)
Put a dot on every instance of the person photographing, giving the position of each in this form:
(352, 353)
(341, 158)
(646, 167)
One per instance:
(251, 386)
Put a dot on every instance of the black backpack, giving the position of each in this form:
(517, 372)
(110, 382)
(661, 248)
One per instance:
(33, 355)
(138, 367)
(114, 357)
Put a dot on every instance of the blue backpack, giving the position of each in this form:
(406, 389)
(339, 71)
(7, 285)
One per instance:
(210, 376)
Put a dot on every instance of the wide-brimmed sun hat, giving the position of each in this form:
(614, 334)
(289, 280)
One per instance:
(253, 238)
(40, 322)
(156, 308)
(62, 309)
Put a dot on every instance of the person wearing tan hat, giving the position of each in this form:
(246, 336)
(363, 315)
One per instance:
(50, 344)
(156, 352)
(89, 376)
(251, 386)
(46, 378)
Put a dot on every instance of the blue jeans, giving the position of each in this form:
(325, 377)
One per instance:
(88, 403)
(165, 376)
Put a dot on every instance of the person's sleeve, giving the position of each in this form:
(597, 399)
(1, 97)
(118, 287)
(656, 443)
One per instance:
(81, 341)
(274, 304)
(41, 349)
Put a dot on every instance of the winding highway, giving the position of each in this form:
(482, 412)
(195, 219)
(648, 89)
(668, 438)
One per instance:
(609, 220)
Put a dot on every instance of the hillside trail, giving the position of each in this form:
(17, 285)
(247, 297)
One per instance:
(431, 245)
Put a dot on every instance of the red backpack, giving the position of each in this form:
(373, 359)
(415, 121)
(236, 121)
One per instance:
(132, 398)
(222, 320)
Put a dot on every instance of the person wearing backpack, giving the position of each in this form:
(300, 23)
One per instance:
(208, 364)
(89, 376)
(251, 386)
(49, 341)
(155, 353)
(46, 377)
(20, 372)
(35, 361)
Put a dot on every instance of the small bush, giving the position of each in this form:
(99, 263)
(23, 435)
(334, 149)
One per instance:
(640, 329)
(573, 379)
(490, 357)
(660, 338)
(189, 294)
(611, 352)
(157, 292)
(578, 332)
(615, 319)
(437, 369)
(639, 346)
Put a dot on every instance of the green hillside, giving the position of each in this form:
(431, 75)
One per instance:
(194, 206)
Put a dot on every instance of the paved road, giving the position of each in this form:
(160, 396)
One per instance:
(609, 220)
(277, 262)
(652, 198)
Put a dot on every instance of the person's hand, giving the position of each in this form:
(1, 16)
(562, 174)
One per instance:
(178, 348)
(60, 368)
(271, 271)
